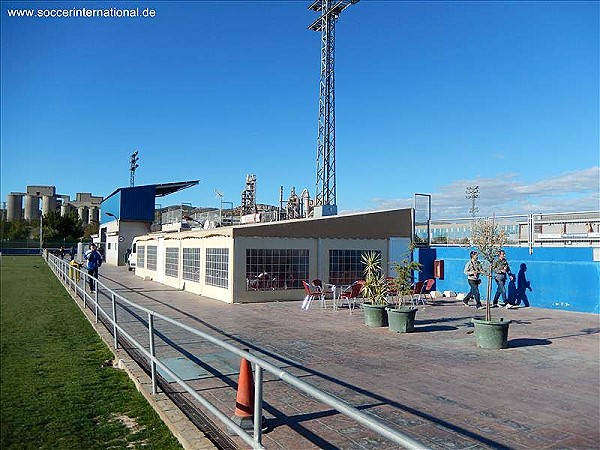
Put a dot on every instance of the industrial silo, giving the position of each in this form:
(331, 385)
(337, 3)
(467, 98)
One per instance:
(94, 214)
(14, 206)
(32, 207)
(48, 204)
(65, 209)
(82, 211)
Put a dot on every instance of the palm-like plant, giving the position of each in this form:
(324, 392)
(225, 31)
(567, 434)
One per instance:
(404, 271)
(375, 288)
(488, 238)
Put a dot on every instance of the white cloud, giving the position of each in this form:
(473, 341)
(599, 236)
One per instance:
(507, 194)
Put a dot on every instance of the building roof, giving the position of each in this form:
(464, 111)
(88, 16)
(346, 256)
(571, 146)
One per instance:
(365, 225)
(169, 188)
(161, 189)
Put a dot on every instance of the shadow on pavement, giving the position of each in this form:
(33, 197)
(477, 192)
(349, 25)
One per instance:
(527, 342)
(427, 328)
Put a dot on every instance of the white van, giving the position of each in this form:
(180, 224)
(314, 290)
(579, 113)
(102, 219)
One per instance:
(132, 258)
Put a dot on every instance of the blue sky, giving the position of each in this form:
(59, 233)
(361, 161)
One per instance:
(431, 97)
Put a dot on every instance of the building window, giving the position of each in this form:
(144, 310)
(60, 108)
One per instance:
(275, 269)
(151, 258)
(217, 267)
(345, 266)
(191, 264)
(109, 245)
(141, 256)
(172, 262)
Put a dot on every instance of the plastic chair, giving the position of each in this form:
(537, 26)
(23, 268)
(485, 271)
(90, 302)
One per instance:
(426, 291)
(417, 289)
(311, 292)
(326, 290)
(351, 293)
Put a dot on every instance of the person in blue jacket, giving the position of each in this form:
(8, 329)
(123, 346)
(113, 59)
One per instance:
(93, 260)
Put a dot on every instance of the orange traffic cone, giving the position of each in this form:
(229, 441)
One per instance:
(244, 402)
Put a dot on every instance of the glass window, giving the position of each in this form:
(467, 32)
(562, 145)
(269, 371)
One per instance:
(151, 257)
(345, 266)
(172, 262)
(275, 269)
(141, 256)
(217, 267)
(191, 264)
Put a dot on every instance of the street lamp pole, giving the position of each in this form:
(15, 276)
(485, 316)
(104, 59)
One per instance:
(220, 195)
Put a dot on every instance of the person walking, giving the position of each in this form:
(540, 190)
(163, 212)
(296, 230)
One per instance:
(501, 271)
(93, 260)
(472, 271)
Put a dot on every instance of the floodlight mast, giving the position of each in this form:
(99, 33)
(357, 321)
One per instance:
(132, 166)
(330, 10)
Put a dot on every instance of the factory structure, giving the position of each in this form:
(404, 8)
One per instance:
(26, 205)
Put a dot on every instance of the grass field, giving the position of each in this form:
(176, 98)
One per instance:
(55, 392)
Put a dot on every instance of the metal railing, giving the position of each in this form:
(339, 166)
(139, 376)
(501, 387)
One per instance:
(76, 279)
(525, 230)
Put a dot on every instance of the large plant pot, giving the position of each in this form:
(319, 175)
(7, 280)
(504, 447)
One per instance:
(491, 334)
(375, 315)
(402, 320)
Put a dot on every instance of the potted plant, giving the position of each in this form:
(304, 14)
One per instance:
(488, 238)
(402, 318)
(375, 290)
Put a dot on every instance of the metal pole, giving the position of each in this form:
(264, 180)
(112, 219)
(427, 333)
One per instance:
(152, 353)
(83, 289)
(41, 232)
(96, 301)
(114, 317)
(258, 400)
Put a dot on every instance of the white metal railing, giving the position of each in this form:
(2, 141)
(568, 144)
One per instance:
(76, 279)
(525, 230)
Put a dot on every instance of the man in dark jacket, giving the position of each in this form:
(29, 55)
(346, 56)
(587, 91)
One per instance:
(93, 260)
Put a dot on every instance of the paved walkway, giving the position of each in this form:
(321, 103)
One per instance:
(436, 385)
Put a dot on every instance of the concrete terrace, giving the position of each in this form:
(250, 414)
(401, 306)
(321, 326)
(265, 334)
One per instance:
(543, 392)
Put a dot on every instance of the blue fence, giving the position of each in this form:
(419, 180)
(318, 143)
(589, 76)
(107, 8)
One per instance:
(559, 278)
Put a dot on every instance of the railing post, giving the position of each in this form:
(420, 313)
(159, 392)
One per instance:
(83, 289)
(258, 400)
(152, 354)
(96, 301)
(114, 317)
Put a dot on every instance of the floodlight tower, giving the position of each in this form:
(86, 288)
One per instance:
(471, 193)
(325, 196)
(133, 165)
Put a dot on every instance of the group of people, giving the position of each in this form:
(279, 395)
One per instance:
(501, 272)
(93, 260)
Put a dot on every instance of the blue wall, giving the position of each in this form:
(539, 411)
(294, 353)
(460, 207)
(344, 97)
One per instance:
(131, 204)
(561, 278)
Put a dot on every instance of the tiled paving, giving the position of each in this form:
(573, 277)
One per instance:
(435, 385)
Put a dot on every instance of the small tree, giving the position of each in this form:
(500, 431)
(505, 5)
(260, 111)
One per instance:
(488, 238)
(404, 274)
(375, 287)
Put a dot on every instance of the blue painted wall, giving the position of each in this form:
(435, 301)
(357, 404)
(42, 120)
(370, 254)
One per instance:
(137, 203)
(130, 204)
(560, 278)
(111, 205)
